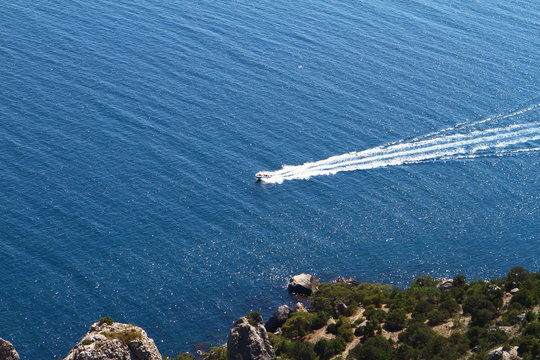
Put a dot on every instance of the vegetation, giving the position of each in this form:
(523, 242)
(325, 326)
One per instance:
(106, 320)
(125, 336)
(373, 321)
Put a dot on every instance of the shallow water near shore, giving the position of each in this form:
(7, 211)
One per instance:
(131, 133)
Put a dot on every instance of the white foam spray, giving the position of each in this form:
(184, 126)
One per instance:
(466, 140)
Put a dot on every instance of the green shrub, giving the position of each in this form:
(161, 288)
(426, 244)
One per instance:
(327, 349)
(87, 342)
(216, 353)
(529, 347)
(319, 320)
(532, 329)
(368, 330)
(424, 281)
(375, 348)
(297, 325)
(106, 320)
(515, 276)
(342, 328)
(395, 320)
(254, 318)
(482, 317)
(296, 350)
(185, 356)
(373, 314)
(125, 336)
(525, 298)
(436, 317)
(450, 305)
(406, 352)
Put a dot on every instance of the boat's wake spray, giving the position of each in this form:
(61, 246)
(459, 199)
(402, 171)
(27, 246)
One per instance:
(465, 140)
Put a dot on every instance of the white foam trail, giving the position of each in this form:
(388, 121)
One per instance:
(436, 146)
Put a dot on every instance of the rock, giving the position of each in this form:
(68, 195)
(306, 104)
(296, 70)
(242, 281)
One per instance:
(281, 315)
(445, 284)
(303, 284)
(503, 354)
(521, 316)
(507, 329)
(349, 282)
(248, 340)
(493, 288)
(300, 307)
(514, 291)
(115, 342)
(7, 351)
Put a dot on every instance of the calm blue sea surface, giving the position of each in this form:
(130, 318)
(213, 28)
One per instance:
(130, 132)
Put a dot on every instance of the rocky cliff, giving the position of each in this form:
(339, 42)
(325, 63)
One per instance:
(114, 341)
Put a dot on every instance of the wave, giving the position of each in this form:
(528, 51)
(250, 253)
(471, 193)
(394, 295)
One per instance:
(451, 143)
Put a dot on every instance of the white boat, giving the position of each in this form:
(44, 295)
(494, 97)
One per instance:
(263, 175)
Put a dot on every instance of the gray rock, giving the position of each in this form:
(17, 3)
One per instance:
(300, 307)
(248, 340)
(281, 315)
(7, 351)
(303, 284)
(445, 284)
(501, 354)
(349, 282)
(115, 342)
(521, 316)
(514, 291)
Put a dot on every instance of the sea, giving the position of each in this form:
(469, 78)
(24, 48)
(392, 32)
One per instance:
(400, 137)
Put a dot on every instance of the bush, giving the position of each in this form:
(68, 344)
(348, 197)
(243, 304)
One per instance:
(422, 308)
(436, 317)
(524, 298)
(254, 318)
(368, 330)
(297, 325)
(482, 317)
(106, 320)
(375, 348)
(532, 329)
(185, 356)
(529, 347)
(417, 335)
(449, 305)
(373, 314)
(395, 320)
(302, 351)
(327, 349)
(342, 328)
(406, 352)
(125, 336)
(424, 281)
(216, 353)
(319, 320)
(515, 276)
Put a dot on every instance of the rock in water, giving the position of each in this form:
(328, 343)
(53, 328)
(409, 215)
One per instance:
(7, 351)
(115, 342)
(248, 340)
(281, 315)
(303, 284)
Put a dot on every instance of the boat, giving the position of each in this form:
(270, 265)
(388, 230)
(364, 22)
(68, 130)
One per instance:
(263, 175)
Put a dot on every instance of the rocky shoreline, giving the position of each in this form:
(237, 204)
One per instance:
(432, 319)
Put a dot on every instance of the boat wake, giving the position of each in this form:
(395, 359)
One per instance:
(499, 135)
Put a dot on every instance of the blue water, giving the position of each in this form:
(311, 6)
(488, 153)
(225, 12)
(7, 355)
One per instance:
(131, 130)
